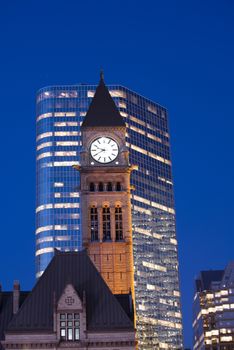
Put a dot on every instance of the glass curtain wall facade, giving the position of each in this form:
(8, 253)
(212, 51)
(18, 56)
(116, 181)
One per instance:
(213, 310)
(60, 111)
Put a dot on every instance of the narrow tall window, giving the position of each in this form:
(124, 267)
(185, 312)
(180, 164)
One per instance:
(94, 223)
(106, 224)
(118, 186)
(100, 187)
(92, 187)
(109, 186)
(118, 224)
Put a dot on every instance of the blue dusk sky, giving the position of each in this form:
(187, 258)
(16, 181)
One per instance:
(177, 53)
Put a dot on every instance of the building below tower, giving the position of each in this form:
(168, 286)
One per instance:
(70, 307)
(213, 310)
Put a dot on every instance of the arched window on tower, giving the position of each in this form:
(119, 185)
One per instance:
(106, 224)
(118, 224)
(109, 186)
(91, 187)
(118, 186)
(100, 186)
(94, 223)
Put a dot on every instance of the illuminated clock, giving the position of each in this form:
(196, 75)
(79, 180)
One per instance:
(104, 150)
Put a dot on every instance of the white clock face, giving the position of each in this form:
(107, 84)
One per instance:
(104, 150)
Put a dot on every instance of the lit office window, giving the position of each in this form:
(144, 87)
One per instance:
(106, 224)
(118, 224)
(66, 133)
(67, 143)
(62, 124)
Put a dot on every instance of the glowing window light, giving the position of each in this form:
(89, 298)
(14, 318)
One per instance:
(44, 135)
(65, 114)
(44, 155)
(44, 228)
(62, 124)
(66, 133)
(43, 116)
(71, 163)
(65, 154)
(117, 93)
(58, 184)
(44, 145)
(67, 143)
(44, 250)
(43, 207)
(66, 205)
(154, 266)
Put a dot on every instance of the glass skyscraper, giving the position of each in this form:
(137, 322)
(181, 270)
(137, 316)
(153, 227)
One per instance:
(213, 310)
(59, 114)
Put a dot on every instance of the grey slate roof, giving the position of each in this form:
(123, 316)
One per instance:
(6, 309)
(102, 110)
(103, 310)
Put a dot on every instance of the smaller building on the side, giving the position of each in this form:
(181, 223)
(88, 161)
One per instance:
(213, 310)
(70, 307)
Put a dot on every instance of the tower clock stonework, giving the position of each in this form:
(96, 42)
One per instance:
(105, 192)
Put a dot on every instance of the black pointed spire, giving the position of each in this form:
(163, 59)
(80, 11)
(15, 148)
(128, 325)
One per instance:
(102, 76)
(102, 110)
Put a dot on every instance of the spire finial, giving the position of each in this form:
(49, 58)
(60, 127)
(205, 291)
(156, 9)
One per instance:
(102, 75)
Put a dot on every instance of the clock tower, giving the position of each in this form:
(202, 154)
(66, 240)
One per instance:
(105, 192)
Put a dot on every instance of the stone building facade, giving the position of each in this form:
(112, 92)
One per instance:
(69, 307)
(105, 192)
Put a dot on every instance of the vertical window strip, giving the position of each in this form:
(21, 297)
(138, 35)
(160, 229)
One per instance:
(106, 224)
(118, 224)
(94, 223)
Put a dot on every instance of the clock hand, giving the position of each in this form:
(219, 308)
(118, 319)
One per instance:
(98, 152)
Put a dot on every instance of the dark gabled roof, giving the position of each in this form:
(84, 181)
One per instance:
(6, 310)
(206, 278)
(103, 310)
(126, 302)
(102, 110)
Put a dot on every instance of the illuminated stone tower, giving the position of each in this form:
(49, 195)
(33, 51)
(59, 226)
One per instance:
(105, 192)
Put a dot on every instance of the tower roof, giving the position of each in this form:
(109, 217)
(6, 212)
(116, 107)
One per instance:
(102, 110)
(104, 312)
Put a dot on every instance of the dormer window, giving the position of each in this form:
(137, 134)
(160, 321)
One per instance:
(71, 315)
(69, 326)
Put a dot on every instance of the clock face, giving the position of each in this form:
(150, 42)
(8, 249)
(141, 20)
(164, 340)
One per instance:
(104, 150)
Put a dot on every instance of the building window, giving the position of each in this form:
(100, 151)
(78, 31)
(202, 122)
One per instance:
(91, 187)
(118, 224)
(109, 186)
(106, 224)
(94, 223)
(100, 187)
(118, 186)
(69, 326)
